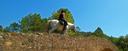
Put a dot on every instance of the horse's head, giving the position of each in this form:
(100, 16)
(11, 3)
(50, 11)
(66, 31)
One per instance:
(72, 27)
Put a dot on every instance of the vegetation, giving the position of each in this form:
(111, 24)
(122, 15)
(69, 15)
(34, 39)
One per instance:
(35, 23)
(1, 28)
(53, 42)
(32, 23)
(121, 42)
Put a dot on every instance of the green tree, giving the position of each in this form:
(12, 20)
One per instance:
(25, 23)
(78, 29)
(69, 16)
(32, 23)
(125, 43)
(120, 43)
(85, 34)
(14, 27)
(1, 28)
(6, 29)
(44, 23)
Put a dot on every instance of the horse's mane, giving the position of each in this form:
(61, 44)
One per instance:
(70, 23)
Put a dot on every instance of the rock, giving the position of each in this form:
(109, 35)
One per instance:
(8, 43)
(1, 37)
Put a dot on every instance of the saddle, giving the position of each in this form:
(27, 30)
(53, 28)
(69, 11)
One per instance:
(61, 22)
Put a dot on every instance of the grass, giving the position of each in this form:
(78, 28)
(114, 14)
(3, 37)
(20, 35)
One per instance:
(52, 42)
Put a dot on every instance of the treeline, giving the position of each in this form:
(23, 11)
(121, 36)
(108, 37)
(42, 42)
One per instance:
(29, 23)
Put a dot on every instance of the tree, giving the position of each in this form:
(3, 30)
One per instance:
(125, 43)
(121, 44)
(78, 29)
(45, 25)
(14, 27)
(32, 23)
(6, 29)
(1, 28)
(85, 34)
(25, 22)
(69, 16)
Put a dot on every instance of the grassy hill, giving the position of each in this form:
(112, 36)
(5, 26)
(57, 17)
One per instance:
(53, 42)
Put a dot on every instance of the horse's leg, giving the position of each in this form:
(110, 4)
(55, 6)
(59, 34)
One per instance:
(64, 31)
(52, 29)
(49, 30)
(49, 27)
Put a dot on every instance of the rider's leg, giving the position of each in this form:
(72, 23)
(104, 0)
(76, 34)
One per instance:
(65, 24)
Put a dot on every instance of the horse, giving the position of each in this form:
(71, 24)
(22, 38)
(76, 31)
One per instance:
(55, 24)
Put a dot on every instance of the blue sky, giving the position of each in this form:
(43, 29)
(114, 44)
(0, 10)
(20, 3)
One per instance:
(110, 15)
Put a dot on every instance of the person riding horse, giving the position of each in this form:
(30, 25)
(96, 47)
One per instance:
(55, 24)
(63, 20)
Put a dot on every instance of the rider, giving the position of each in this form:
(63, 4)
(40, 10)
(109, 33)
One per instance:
(62, 18)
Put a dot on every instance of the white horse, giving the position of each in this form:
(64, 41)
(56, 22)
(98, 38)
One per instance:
(55, 25)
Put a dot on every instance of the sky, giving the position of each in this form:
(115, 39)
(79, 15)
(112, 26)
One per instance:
(110, 15)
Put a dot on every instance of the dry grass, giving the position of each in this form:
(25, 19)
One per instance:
(52, 42)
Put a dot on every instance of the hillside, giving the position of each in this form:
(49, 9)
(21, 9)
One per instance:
(52, 42)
